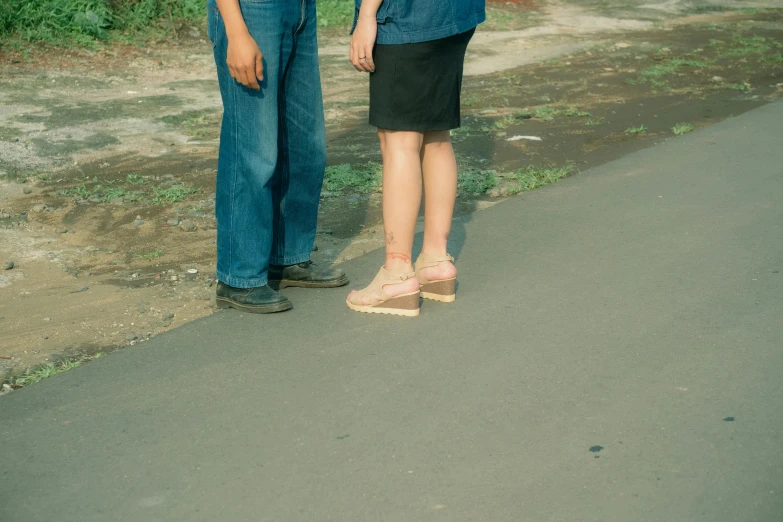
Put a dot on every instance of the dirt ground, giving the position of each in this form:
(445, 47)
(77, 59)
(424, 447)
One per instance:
(108, 156)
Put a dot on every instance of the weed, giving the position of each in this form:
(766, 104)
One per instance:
(171, 194)
(361, 178)
(505, 122)
(134, 179)
(573, 111)
(663, 69)
(741, 46)
(150, 255)
(641, 129)
(594, 121)
(476, 181)
(533, 177)
(682, 128)
(546, 113)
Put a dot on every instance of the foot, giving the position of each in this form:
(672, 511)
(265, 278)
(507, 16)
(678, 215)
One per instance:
(306, 275)
(392, 290)
(443, 271)
(258, 300)
(393, 293)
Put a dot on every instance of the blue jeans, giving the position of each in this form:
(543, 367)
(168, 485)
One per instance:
(272, 144)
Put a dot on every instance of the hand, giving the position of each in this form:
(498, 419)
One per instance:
(362, 43)
(245, 61)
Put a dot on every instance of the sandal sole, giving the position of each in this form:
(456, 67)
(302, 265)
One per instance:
(405, 306)
(443, 291)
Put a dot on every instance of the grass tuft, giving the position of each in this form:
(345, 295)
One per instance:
(361, 178)
(682, 128)
(641, 129)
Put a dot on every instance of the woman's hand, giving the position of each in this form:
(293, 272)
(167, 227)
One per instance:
(362, 43)
(245, 61)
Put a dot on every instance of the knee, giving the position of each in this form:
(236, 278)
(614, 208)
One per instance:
(408, 141)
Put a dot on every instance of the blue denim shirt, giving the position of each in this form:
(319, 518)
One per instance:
(412, 21)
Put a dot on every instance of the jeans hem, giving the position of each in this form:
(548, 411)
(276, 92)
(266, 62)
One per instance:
(291, 260)
(242, 283)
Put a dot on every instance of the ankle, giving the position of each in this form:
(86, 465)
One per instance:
(398, 263)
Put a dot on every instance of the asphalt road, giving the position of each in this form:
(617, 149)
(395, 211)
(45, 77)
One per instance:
(615, 354)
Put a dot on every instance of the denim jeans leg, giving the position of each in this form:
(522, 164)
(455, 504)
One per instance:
(248, 156)
(302, 146)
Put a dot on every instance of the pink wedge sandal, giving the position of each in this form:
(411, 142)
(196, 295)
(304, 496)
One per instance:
(382, 303)
(443, 290)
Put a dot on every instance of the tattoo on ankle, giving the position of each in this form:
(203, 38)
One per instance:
(398, 257)
(390, 238)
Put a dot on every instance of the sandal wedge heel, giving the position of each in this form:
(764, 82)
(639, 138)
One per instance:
(405, 305)
(444, 290)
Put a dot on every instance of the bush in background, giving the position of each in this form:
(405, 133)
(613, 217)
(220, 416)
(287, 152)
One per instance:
(63, 22)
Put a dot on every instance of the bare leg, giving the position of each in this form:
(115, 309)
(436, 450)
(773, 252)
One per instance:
(401, 152)
(440, 192)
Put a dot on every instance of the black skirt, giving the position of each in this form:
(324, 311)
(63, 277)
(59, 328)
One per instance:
(416, 87)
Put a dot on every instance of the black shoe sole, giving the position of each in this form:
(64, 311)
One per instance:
(286, 283)
(224, 303)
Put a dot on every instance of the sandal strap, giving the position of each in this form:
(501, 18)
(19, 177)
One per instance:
(425, 261)
(384, 277)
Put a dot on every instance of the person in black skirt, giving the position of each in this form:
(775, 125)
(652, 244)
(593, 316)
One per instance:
(414, 51)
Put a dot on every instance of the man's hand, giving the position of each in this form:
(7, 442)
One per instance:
(363, 42)
(245, 61)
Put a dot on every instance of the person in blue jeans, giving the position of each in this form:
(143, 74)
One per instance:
(414, 51)
(272, 151)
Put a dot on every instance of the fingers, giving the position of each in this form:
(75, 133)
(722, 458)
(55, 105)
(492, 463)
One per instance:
(260, 67)
(369, 61)
(247, 75)
(354, 56)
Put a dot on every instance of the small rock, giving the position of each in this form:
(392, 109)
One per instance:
(168, 316)
(188, 226)
(9, 265)
(116, 200)
(40, 208)
(62, 231)
(138, 221)
(27, 190)
(173, 222)
(172, 182)
(47, 319)
(6, 389)
(71, 231)
(716, 79)
(622, 45)
(82, 289)
(194, 32)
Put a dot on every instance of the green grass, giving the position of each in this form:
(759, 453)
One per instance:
(171, 194)
(574, 111)
(744, 87)
(44, 371)
(149, 255)
(81, 22)
(135, 179)
(362, 178)
(476, 182)
(592, 122)
(546, 113)
(335, 13)
(641, 129)
(505, 122)
(533, 177)
(106, 190)
(682, 128)
(658, 71)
